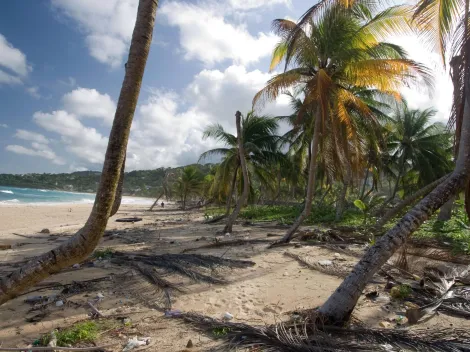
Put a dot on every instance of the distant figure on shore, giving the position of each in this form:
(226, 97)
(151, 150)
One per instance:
(163, 205)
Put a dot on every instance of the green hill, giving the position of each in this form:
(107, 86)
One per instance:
(143, 183)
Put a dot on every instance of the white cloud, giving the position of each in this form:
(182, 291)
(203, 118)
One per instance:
(6, 78)
(441, 97)
(12, 58)
(3, 125)
(31, 136)
(206, 35)
(38, 149)
(221, 94)
(167, 128)
(85, 142)
(34, 92)
(254, 4)
(108, 25)
(84, 102)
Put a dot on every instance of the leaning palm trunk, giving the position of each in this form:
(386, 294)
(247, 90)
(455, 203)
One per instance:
(118, 196)
(344, 191)
(310, 183)
(232, 189)
(408, 201)
(86, 239)
(244, 196)
(156, 201)
(341, 303)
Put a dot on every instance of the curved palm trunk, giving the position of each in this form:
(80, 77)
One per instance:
(118, 196)
(408, 201)
(342, 197)
(312, 171)
(82, 244)
(244, 196)
(341, 303)
(366, 177)
(156, 201)
(232, 188)
(445, 213)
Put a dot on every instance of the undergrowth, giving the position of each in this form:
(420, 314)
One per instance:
(454, 232)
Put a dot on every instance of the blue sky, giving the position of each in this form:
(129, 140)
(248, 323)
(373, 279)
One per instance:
(61, 68)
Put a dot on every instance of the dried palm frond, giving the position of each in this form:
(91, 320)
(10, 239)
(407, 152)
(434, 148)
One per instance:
(219, 244)
(307, 336)
(333, 269)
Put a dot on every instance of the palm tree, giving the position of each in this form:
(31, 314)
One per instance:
(444, 26)
(189, 183)
(438, 18)
(246, 180)
(261, 149)
(336, 54)
(416, 144)
(82, 244)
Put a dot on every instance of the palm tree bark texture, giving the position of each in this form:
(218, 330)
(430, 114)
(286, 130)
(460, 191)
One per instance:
(82, 244)
(241, 155)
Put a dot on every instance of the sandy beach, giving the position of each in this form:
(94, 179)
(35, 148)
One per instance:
(270, 290)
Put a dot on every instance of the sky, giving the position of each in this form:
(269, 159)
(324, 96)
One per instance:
(62, 65)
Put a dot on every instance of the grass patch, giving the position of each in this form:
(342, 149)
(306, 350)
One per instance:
(221, 331)
(104, 253)
(401, 292)
(82, 332)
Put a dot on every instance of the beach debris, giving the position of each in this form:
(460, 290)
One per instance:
(5, 247)
(382, 299)
(189, 344)
(99, 296)
(53, 340)
(136, 342)
(372, 295)
(286, 273)
(126, 321)
(337, 256)
(325, 262)
(59, 303)
(173, 313)
(34, 299)
(45, 231)
(228, 316)
(134, 219)
(76, 266)
(95, 311)
(415, 314)
(385, 324)
(227, 234)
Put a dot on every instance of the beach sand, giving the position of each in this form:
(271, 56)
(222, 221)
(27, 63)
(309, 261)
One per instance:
(268, 292)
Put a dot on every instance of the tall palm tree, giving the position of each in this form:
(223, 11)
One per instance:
(416, 144)
(188, 184)
(337, 52)
(439, 17)
(261, 146)
(82, 244)
(444, 26)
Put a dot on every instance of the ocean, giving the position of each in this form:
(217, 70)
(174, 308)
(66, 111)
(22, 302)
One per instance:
(14, 195)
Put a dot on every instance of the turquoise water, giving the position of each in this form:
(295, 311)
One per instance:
(14, 195)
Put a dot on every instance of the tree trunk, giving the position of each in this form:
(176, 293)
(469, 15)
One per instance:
(82, 244)
(118, 196)
(156, 201)
(445, 213)
(361, 196)
(244, 196)
(232, 188)
(341, 200)
(341, 303)
(408, 201)
(312, 171)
